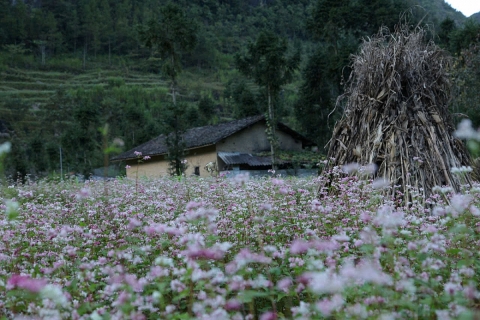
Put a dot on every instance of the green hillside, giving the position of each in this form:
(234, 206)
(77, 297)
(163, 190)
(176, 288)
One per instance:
(69, 67)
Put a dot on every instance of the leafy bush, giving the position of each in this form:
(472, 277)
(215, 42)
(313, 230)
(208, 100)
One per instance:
(115, 82)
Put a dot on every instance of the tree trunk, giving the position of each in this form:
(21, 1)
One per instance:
(174, 94)
(84, 55)
(42, 48)
(272, 127)
(173, 82)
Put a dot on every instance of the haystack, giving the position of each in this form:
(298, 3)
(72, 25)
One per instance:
(396, 114)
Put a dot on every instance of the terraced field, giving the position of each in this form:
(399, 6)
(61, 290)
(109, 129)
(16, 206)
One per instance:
(38, 86)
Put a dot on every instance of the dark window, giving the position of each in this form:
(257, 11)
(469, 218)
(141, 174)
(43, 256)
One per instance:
(197, 171)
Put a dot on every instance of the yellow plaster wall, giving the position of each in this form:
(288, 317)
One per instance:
(158, 166)
(250, 140)
(152, 168)
(199, 157)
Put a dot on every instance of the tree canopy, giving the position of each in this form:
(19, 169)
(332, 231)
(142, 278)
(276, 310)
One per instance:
(68, 67)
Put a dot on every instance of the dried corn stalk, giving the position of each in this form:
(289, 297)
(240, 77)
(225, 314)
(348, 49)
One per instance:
(396, 113)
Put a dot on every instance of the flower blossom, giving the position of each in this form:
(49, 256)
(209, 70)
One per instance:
(27, 283)
(465, 131)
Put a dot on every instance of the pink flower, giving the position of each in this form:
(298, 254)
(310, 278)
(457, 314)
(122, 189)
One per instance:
(299, 246)
(177, 285)
(283, 191)
(277, 182)
(127, 167)
(232, 305)
(327, 306)
(137, 153)
(195, 252)
(146, 158)
(83, 193)
(133, 223)
(451, 288)
(27, 283)
(268, 316)
(122, 298)
(284, 284)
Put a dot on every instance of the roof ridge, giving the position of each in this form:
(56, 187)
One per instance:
(201, 136)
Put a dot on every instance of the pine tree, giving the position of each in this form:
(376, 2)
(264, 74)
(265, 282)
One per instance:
(267, 63)
(172, 35)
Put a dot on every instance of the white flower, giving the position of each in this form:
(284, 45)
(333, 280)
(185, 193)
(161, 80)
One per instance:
(370, 168)
(55, 294)
(170, 308)
(223, 246)
(156, 296)
(11, 209)
(442, 190)
(388, 219)
(465, 131)
(474, 210)
(164, 261)
(341, 237)
(380, 183)
(326, 282)
(301, 310)
(11, 206)
(5, 147)
(351, 167)
(459, 203)
(462, 169)
(241, 179)
(365, 271)
(357, 310)
(260, 282)
(443, 314)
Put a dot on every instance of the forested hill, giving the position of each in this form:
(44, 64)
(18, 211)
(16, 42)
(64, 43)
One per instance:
(476, 16)
(103, 26)
(68, 67)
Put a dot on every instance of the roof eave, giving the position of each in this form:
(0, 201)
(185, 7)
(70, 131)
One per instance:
(161, 154)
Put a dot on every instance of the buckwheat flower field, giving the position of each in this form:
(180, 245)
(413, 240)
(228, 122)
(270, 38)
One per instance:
(218, 248)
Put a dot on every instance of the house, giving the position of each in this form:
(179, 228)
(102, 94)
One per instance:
(233, 145)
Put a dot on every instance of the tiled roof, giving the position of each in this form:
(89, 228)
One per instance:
(232, 158)
(203, 136)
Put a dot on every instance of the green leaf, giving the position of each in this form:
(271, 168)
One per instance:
(281, 296)
(275, 271)
(249, 295)
(466, 315)
(453, 251)
(367, 248)
(422, 256)
(84, 308)
(464, 262)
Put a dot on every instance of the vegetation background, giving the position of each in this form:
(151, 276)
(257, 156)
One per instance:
(68, 67)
